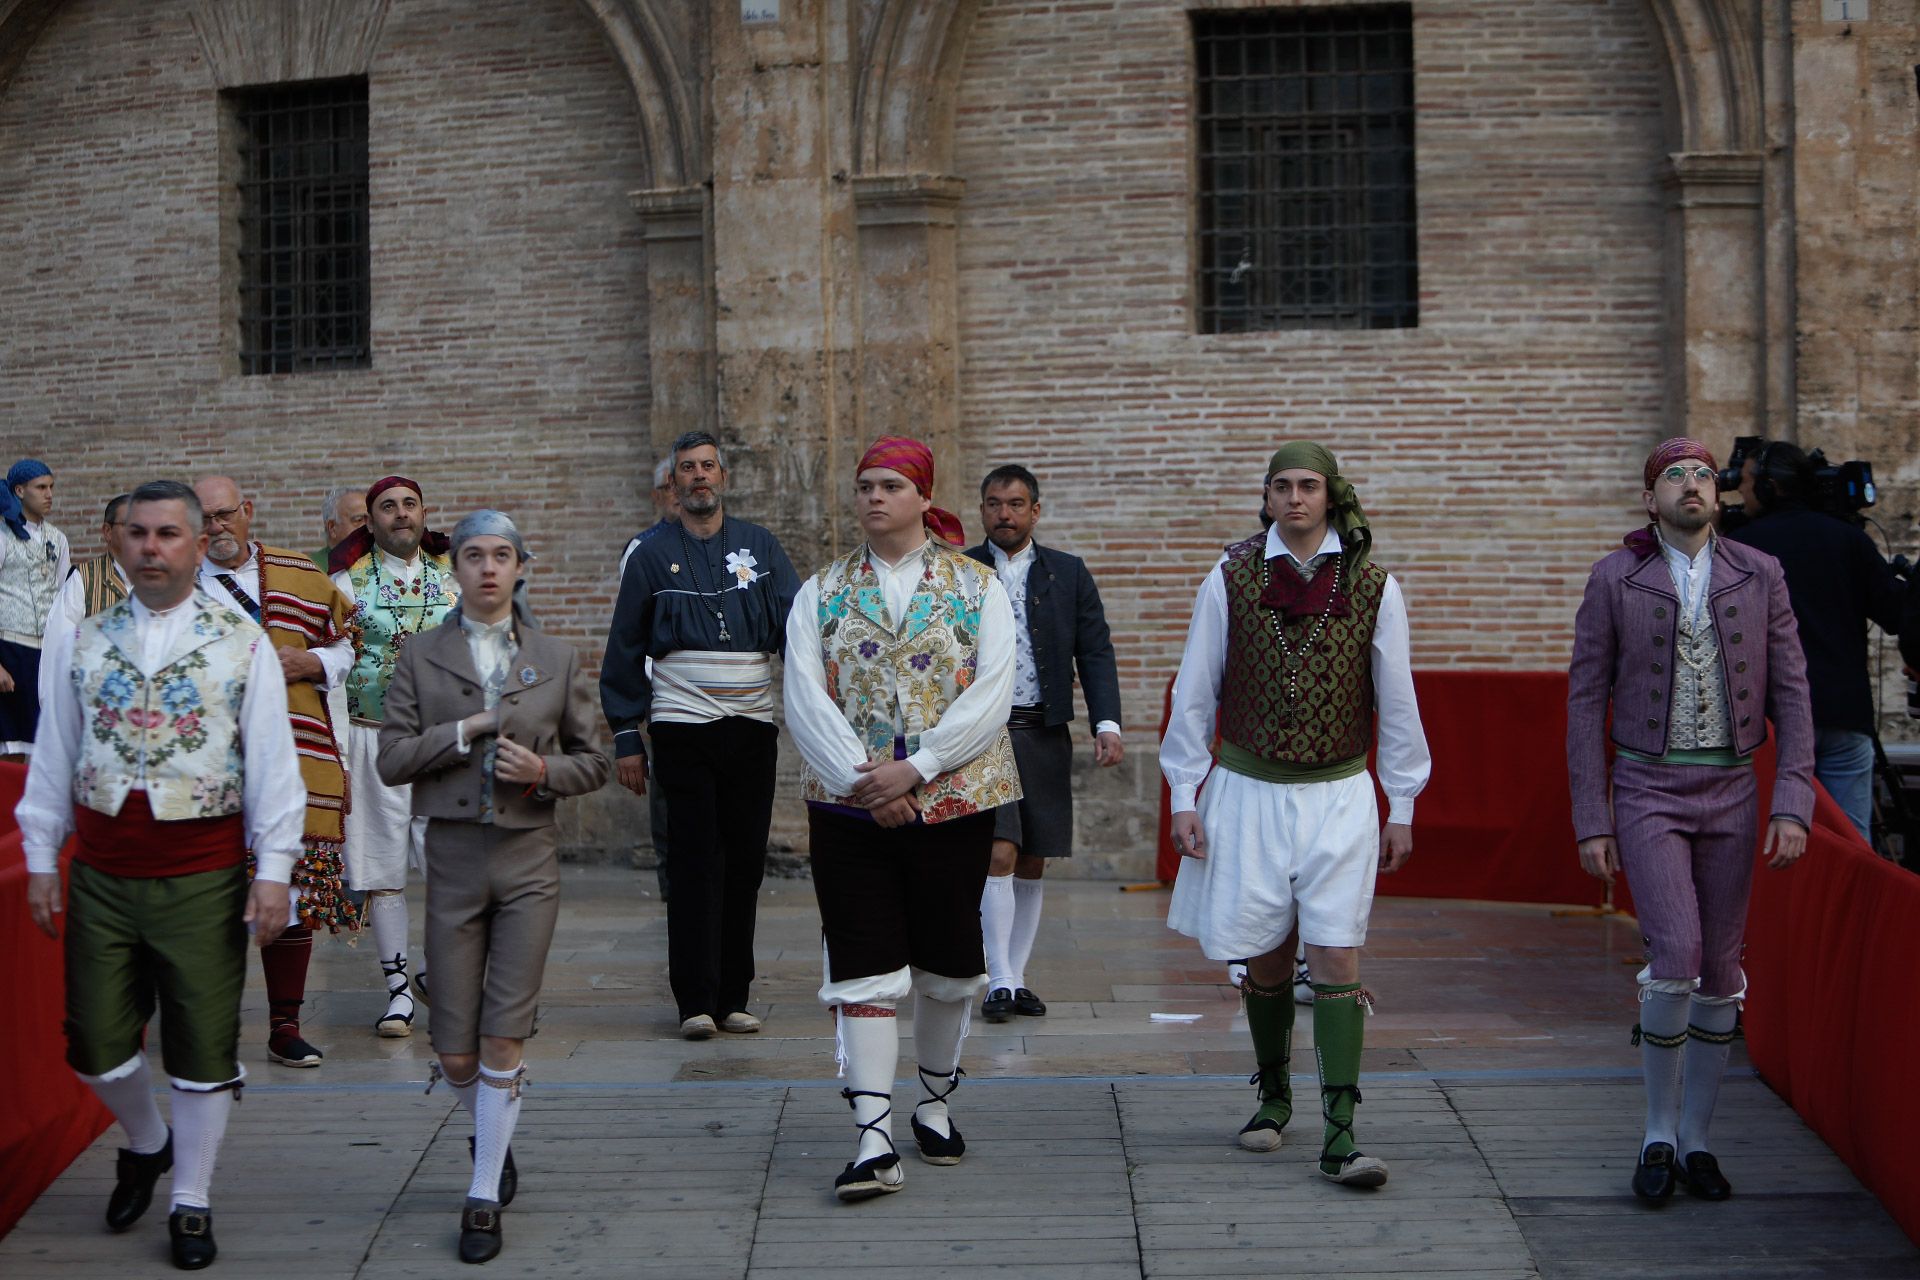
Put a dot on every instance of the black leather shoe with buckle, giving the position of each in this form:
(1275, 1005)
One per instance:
(1653, 1176)
(998, 1006)
(191, 1232)
(1700, 1174)
(1028, 1005)
(133, 1179)
(479, 1233)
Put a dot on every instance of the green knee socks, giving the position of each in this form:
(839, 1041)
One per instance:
(1337, 1035)
(1270, 1019)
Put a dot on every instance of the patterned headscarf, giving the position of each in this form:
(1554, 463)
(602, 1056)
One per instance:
(1668, 452)
(25, 471)
(487, 522)
(1343, 503)
(914, 461)
(360, 541)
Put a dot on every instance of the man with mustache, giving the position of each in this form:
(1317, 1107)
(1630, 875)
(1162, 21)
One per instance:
(1059, 625)
(706, 601)
(395, 573)
(165, 752)
(34, 559)
(305, 617)
(1690, 638)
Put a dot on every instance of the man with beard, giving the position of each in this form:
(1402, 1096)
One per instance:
(1058, 624)
(707, 602)
(1690, 638)
(34, 560)
(304, 615)
(165, 753)
(395, 574)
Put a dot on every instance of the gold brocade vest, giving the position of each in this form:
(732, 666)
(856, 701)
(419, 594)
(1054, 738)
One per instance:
(897, 679)
(175, 733)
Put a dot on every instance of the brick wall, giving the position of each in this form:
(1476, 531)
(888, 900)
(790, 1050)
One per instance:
(1495, 446)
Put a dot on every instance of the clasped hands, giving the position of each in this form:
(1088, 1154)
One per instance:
(886, 791)
(511, 761)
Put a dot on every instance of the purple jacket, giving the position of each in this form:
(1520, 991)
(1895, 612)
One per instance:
(1623, 653)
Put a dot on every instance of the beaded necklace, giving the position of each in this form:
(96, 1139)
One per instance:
(1291, 659)
(396, 605)
(710, 599)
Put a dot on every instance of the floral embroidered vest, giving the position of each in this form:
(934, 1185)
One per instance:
(893, 679)
(1333, 720)
(385, 614)
(175, 733)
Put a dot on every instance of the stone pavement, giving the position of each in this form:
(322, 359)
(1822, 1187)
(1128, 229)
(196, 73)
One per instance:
(1499, 1086)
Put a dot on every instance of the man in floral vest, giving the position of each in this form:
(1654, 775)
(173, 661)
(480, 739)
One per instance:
(899, 680)
(305, 617)
(165, 750)
(395, 573)
(1298, 641)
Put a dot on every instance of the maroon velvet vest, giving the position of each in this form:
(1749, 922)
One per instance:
(1333, 720)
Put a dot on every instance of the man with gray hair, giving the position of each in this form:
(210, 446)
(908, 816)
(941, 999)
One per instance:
(702, 611)
(343, 510)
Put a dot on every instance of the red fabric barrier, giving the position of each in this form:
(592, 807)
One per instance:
(50, 1116)
(1495, 823)
(1831, 956)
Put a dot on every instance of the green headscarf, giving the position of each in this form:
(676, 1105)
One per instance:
(1343, 504)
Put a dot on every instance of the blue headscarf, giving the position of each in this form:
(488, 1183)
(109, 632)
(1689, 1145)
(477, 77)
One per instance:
(487, 522)
(25, 471)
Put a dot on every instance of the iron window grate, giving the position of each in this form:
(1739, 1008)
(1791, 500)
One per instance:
(305, 301)
(1307, 212)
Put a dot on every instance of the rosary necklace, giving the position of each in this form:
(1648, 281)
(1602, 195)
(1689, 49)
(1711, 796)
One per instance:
(1294, 659)
(710, 599)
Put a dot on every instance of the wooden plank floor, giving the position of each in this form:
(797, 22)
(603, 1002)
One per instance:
(1101, 1144)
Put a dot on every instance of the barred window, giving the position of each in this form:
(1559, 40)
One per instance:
(304, 297)
(1306, 169)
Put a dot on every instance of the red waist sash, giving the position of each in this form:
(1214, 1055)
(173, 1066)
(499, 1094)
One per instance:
(137, 845)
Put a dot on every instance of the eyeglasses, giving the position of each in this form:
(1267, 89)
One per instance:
(221, 517)
(1677, 475)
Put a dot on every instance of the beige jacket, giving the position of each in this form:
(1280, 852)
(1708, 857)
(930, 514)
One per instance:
(548, 707)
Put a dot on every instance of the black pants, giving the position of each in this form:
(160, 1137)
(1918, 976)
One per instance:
(897, 896)
(718, 783)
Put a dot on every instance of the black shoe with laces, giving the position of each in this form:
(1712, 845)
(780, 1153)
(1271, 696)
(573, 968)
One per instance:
(190, 1233)
(1653, 1176)
(479, 1231)
(1700, 1174)
(133, 1178)
(1028, 1005)
(861, 1179)
(998, 1006)
(509, 1176)
(935, 1147)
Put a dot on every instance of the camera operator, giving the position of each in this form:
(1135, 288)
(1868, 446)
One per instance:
(1836, 581)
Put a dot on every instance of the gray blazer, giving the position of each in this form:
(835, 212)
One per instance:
(548, 707)
(1623, 656)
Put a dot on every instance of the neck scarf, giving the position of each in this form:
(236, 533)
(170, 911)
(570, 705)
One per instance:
(914, 461)
(1343, 503)
(24, 471)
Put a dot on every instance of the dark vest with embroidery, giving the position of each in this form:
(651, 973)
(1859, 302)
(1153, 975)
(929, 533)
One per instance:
(1333, 721)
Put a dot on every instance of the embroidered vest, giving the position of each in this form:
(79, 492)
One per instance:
(176, 733)
(100, 583)
(385, 614)
(1333, 720)
(897, 680)
(28, 587)
(1698, 713)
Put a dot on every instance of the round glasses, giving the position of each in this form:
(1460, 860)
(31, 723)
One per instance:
(1677, 475)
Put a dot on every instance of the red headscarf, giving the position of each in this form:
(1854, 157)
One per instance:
(360, 541)
(914, 461)
(1668, 452)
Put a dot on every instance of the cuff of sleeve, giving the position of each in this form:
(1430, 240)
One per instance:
(1592, 820)
(277, 867)
(42, 862)
(460, 736)
(629, 742)
(1183, 797)
(927, 764)
(1400, 810)
(1106, 726)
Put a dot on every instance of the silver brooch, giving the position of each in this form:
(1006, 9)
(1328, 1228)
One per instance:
(528, 675)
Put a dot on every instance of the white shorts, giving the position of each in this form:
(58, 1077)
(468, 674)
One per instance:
(1274, 850)
(382, 833)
